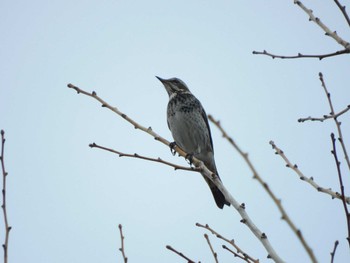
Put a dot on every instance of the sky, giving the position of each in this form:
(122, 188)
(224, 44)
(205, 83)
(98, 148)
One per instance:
(66, 200)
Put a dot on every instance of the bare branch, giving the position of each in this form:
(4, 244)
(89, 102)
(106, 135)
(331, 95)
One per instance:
(236, 254)
(337, 163)
(135, 155)
(180, 254)
(211, 248)
(328, 32)
(336, 243)
(337, 123)
(302, 177)
(205, 172)
(268, 190)
(342, 9)
(3, 206)
(123, 115)
(233, 143)
(325, 117)
(231, 242)
(320, 57)
(122, 246)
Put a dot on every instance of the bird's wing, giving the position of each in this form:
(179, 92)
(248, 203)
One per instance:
(205, 118)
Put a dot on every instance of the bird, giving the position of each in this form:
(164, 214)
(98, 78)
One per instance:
(190, 129)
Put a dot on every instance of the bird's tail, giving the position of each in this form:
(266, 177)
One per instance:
(217, 194)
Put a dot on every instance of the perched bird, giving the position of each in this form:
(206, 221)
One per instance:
(189, 126)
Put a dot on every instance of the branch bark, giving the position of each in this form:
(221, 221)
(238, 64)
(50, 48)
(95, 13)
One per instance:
(325, 117)
(180, 254)
(137, 156)
(342, 9)
(240, 253)
(3, 206)
(302, 177)
(336, 243)
(328, 32)
(299, 55)
(337, 123)
(276, 200)
(215, 255)
(122, 249)
(337, 163)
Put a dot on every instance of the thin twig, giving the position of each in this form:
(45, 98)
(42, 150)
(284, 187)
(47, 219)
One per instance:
(328, 32)
(231, 242)
(337, 123)
(342, 9)
(336, 243)
(122, 249)
(276, 200)
(135, 155)
(236, 254)
(302, 177)
(123, 115)
(325, 117)
(320, 57)
(204, 171)
(337, 163)
(211, 248)
(180, 254)
(3, 206)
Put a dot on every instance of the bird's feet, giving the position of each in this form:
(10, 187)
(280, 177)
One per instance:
(189, 158)
(172, 146)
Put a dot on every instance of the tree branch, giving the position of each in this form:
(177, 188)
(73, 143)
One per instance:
(122, 250)
(205, 172)
(236, 254)
(302, 177)
(231, 242)
(336, 243)
(277, 201)
(320, 57)
(328, 32)
(325, 117)
(337, 123)
(342, 9)
(135, 155)
(337, 163)
(211, 248)
(124, 116)
(3, 206)
(180, 254)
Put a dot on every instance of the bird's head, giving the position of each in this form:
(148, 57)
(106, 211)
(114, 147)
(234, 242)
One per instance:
(174, 85)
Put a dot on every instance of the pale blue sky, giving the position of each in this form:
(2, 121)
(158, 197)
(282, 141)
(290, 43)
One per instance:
(66, 200)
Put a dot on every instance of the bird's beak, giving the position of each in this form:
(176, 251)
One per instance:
(166, 85)
(160, 79)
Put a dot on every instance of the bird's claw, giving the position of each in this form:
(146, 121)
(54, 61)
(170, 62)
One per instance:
(189, 157)
(172, 146)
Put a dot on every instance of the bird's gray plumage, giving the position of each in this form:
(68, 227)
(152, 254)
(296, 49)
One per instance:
(189, 126)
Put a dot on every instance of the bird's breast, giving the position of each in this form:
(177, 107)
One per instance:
(187, 126)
